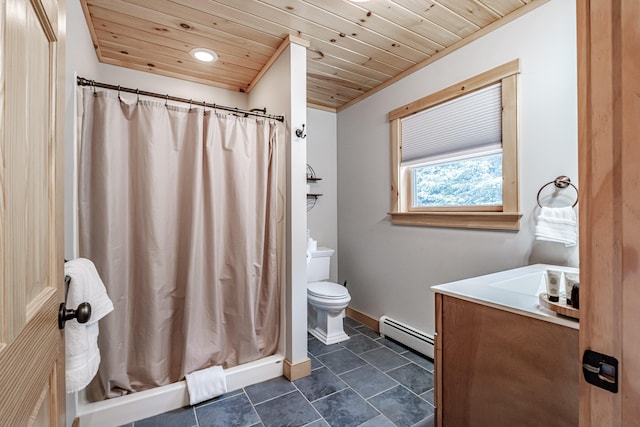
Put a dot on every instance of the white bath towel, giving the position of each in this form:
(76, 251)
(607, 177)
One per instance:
(206, 384)
(82, 356)
(557, 225)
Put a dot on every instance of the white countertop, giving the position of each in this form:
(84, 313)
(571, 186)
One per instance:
(513, 290)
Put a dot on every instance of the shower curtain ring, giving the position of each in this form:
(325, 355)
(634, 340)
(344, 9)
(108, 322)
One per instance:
(137, 96)
(93, 86)
(120, 99)
(190, 102)
(166, 100)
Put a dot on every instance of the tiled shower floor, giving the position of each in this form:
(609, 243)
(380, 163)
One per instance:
(366, 381)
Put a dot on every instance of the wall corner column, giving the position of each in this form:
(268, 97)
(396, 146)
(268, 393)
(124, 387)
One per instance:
(297, 364)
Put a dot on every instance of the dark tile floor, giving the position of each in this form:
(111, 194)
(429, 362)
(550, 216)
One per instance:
(366, 381)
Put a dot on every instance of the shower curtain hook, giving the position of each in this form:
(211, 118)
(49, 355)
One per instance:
(166, 100)
(120, 99)
(137, 96)
(190, 102)
(93, 86)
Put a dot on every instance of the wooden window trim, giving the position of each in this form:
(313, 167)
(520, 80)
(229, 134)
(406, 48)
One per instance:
(509, 217)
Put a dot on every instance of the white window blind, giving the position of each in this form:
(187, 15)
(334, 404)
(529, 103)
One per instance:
(469, 122)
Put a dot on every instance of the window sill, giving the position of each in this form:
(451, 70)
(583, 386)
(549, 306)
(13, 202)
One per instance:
(482, 220)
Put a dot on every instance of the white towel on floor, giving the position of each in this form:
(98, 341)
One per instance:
(82, 356)
(557, 225)
(206, 384)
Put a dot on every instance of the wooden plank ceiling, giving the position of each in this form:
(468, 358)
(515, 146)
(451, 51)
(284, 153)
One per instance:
(354, 48)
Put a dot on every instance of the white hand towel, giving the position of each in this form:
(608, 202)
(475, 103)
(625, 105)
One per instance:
(557, 225)
(206, 384)
(81, 340)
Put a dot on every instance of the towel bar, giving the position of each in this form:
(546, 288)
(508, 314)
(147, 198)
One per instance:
(562, 181)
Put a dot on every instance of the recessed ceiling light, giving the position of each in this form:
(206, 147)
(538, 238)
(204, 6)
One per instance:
(204, 55)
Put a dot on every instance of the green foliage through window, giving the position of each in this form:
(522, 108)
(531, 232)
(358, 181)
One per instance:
(470, 182)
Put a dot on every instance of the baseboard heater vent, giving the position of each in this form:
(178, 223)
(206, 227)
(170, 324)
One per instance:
(407, 335)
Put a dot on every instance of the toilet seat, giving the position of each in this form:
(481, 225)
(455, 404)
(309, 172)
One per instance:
(327, 290)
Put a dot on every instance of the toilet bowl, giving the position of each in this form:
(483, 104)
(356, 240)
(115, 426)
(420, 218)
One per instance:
(327, 301)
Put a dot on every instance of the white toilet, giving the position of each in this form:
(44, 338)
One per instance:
(327, 300)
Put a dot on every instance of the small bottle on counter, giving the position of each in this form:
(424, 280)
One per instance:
(553, 285)
(570, 280)
(575, 295)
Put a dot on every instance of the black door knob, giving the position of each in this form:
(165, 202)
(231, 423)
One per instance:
(83, 312)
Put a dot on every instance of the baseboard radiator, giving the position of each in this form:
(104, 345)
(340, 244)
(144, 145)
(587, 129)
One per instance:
(407, 335)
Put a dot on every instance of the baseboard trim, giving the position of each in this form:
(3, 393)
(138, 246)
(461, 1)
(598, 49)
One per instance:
(365, 319)
(297, 371)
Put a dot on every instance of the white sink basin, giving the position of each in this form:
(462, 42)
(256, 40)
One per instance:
(528, 284)
(513, 290)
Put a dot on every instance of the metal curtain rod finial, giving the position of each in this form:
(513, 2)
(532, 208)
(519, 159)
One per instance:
(562, 181)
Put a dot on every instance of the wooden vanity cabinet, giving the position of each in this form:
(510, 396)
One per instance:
(497, 368)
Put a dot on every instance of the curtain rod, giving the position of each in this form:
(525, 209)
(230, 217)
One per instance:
(254, 112)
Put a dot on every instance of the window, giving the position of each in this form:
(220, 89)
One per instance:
(454, 155)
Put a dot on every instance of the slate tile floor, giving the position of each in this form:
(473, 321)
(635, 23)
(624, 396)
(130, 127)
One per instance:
(366, 381)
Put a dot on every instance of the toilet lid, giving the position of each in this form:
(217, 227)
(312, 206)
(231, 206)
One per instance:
(327, 290)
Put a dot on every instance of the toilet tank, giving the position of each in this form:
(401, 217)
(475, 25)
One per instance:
(319, 266)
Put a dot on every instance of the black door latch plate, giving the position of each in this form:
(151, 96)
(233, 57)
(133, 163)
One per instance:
(600, 370)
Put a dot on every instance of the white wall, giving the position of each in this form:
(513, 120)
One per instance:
(322, 219)
(390, 268)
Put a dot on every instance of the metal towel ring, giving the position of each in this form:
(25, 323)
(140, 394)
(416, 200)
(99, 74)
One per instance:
(562, 181)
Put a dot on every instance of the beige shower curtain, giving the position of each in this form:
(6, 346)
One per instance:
(177, 209)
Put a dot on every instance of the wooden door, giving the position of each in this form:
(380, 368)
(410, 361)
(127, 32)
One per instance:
(31, 263)
(609, 163)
